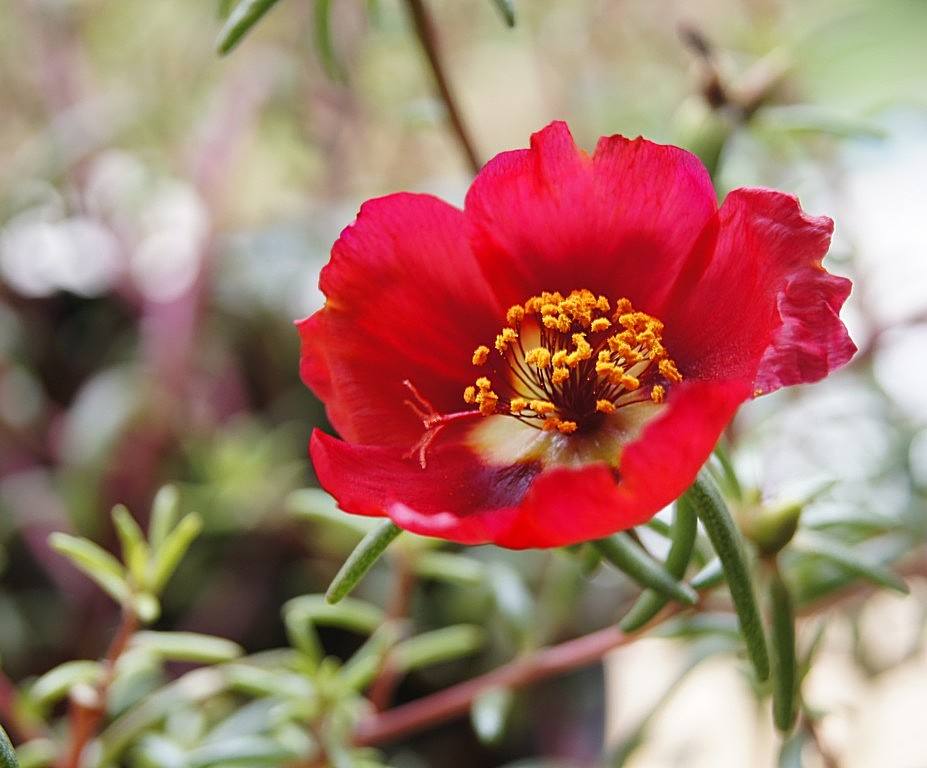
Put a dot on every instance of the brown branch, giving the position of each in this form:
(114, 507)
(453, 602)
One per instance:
(86, 712)
(456, 700)
(428, 37)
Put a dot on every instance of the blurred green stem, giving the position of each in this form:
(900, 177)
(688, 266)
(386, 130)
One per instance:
(427, 35)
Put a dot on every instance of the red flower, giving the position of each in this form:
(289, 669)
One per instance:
(555, 362)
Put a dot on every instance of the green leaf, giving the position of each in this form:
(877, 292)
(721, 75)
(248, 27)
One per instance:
(240, 21)
(446, 566)
(56, 683)
(731, 483)
(135, 551)
(358, 672)
(849, 559)
(622, 552)
(439, 645)
(188, 646)
(301, 614)
(190, 689)
(782, 647)
(649, 604)
(318, 506)
(165, 511)
(709, 577)
(249, 750)
(94, 561)
(323, 39)
(727, 543)
(170, 553)
(365, 554)
(507, 9)
(489, 714)
(7, 755)
(38, 753)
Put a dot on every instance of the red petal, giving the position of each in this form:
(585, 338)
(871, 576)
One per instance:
(762, 307)
(406, 300)
(620, 223)
(461, 499)
(371, 480)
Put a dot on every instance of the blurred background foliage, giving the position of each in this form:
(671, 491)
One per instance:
(164, 213)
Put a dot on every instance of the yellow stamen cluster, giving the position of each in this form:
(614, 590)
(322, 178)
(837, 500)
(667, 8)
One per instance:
(593, 358)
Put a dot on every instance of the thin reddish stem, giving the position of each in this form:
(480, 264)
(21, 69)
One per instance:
(85, 716)
(456, 700)
(428, 37)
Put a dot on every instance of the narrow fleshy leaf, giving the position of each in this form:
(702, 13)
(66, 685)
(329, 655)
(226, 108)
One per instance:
(188, 646)
(240, 21)
(711, 575)
(445, 644)
(249, 749)
(56, 683)
(849, 559)
(324, 45)
(782, 647)
(365, 554)
(165, 511)
(731, 480)
(446, 566)
(94, 561)
(301, 614)
(7, 755)
(649, 604)
(622, 552)
(727, 543)
(359, 671)
(171, 552)
(507, 9)
(135, 551)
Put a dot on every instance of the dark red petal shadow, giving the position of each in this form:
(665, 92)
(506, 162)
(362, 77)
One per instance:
(620, 222)
(461, 499)
(762, 307)
(406, 300)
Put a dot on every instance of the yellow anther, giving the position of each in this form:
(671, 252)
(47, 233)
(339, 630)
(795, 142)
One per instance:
(515, 314)
(505, 338)
(559, 358)
(567, 427)
(604, 366)
(560, 375)
(549, 321)
(604, 406)
(518, 404)
(669, 370)
(583, 348)
(630, 382)
(470, 395)
(539, 356)
(550, 309)
(480, 355)
(600, 324)
(488, 401)
(601, 304)
(551, 423)
(563, 324)
(657, 393)
(622, 307)
(542, 407)
(483, 384)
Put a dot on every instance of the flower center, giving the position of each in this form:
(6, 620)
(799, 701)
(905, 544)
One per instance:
(566, 362)
(562, 365)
